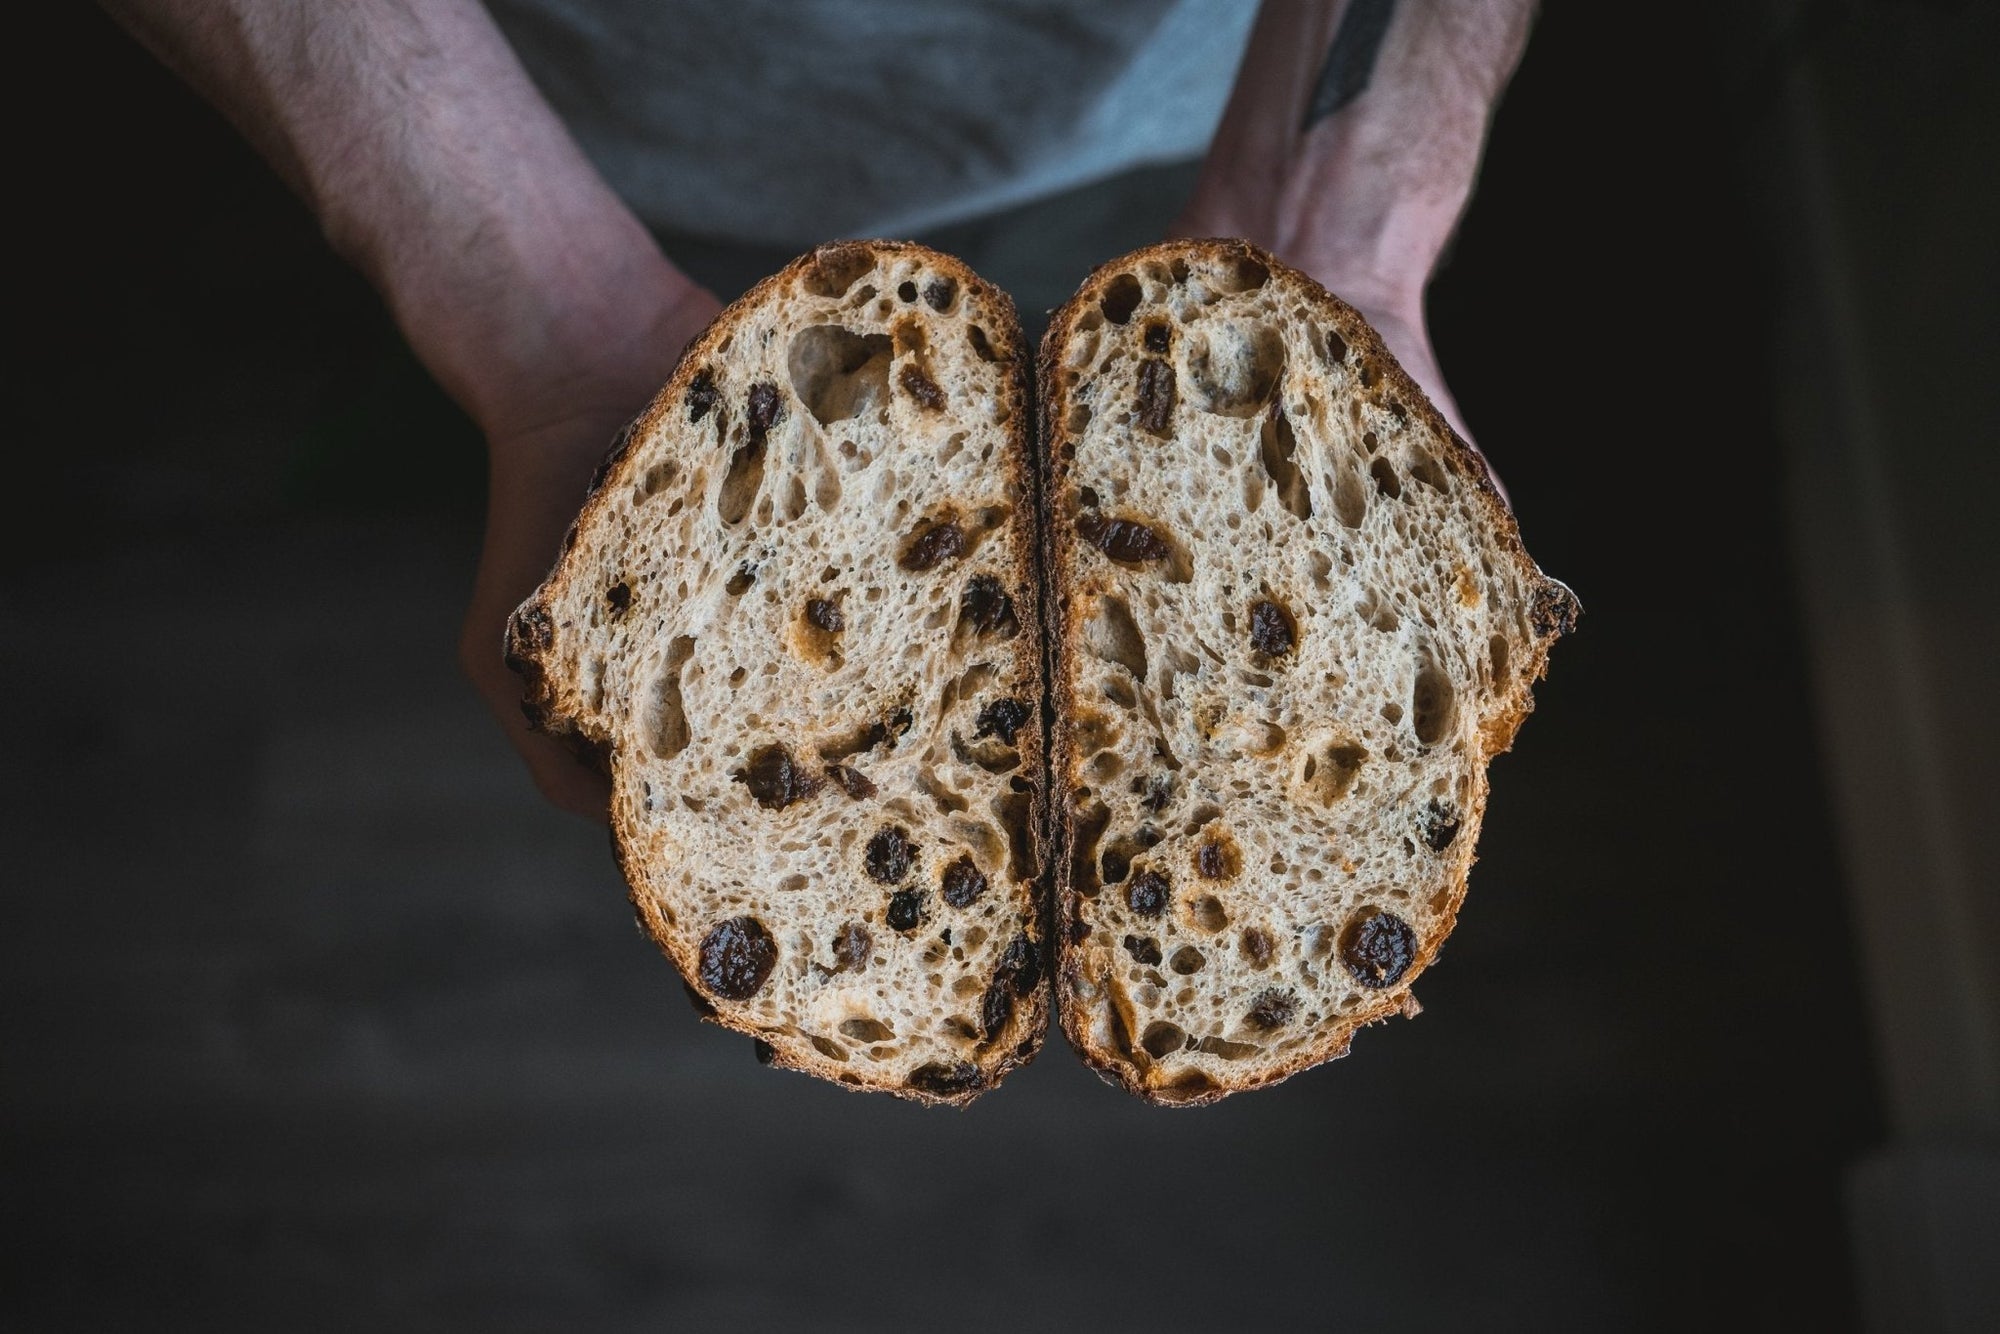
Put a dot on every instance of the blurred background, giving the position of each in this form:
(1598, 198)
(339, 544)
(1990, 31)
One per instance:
(313, 1016)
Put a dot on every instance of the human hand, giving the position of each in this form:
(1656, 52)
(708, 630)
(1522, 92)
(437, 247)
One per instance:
(1349, 149)
(542, 449)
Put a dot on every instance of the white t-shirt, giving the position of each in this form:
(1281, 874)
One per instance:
(789, 122)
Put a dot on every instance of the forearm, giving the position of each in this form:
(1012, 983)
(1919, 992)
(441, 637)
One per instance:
(1350, 148)
(435, 167)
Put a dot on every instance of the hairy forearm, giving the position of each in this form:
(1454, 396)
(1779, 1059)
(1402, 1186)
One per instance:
(1353, 137)
(432, 164)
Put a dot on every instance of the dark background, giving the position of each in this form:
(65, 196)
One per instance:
(314, 1017)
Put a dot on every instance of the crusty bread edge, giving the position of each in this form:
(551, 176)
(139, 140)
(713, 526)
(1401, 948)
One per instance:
(530, 638)
(1553, 613)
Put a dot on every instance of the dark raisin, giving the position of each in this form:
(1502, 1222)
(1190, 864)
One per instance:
(765, 409)
(963, 883)
(826, 615)
(1121, 539)
(619, 595)
(1002, 718)
(890, 855)
(1159, 790)
(701, 396)
(1158, 336)
(1438, 825)
(851, 947)
(1378, 947)
(1258, 946)
(1212, 861)
(906, 910)
(1079, 931)
(1272, 1009)
(996, 1007)
(736, 957)
(985, 604)
(1147, 894)
(946, 1081)
(774, 779)
(900, 721)
(1018, 972)
(1157, 392)
(940, 542)
(1272, 630)
(1144, 949)
(764, 1051)
(852, 781)
(1022, 964)
(922, 388)
(938, 294)
(906, 292)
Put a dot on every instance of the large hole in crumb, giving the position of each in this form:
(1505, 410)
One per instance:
(653, 480)
(1376, 612)
(1162, 1039)
(1430, 472)
(1276, 448)
(1208, 914)
(835, 270)
(866, 1030)
(1114, 636)
(1233, 367)
(1243, 273)
(1187, 960)
(1330, 774)
(1091, 820)
(839, 374)
(1121, 297)
(666, 723)
(1433, 705)
(741, 483)
(1350, 497)
(1189, 1087)
(1015, 811)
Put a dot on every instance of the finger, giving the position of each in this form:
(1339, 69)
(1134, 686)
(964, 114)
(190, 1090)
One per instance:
(565, 781)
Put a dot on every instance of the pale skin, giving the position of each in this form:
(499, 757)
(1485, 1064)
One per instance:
(546, 310)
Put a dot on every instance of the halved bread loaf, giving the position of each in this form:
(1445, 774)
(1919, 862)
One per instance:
(798, 619)
(1292, 623)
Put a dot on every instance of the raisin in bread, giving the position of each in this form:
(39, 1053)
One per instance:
(1292, 621)
(797, 618)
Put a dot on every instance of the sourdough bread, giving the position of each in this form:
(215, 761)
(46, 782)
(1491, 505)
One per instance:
(797, 619)
(1292, 622)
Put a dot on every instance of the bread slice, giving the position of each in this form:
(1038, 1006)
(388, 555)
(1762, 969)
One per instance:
(797, 618)
(1292, 621)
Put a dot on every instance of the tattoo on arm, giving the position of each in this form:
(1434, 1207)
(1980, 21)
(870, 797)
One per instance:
(1351, 61)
